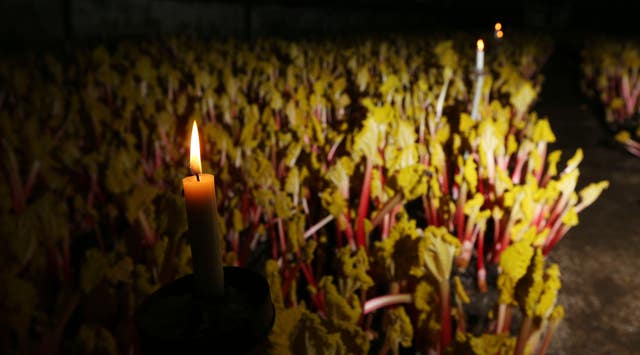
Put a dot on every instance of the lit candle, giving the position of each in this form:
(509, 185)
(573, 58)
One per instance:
(480, 55)
(479, 79)
(204, 231)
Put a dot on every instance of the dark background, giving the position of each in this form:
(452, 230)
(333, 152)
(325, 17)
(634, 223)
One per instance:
(49, 22)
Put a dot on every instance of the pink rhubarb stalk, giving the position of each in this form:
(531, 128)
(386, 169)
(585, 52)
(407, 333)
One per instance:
(363, 206)
(283, 241)
(555, 239)
(517, 170)
(551, 329)
(496, 238)
(15, 182)
(315, 228)
(542, 151)
(389, 206)
(385, 301)
(149, 236)
(482, 272)
(630, 96)
(523, 337)
(460, 211)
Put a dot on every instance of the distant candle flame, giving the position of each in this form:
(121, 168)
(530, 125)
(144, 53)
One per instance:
(480, 45)
(498, 26)
(499, 34)
(194, 163)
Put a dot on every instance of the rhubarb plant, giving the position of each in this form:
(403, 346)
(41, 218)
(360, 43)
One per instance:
(350, 173)
(611, 78)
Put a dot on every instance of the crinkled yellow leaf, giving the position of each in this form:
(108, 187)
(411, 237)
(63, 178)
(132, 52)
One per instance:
(591, 192)
(574, 161)
(542, 132)
(570, 218)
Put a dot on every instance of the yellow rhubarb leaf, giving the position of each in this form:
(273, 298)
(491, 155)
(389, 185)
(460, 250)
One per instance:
(591, 192)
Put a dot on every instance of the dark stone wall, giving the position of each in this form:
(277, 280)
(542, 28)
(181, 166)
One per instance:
(24, 21)
(51, 20)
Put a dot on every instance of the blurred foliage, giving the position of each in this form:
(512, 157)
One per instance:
(611, 78)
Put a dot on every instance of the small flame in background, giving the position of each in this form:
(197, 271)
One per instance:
(498, 30)
(480, 45)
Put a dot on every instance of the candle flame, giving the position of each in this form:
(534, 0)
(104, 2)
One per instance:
(498, 26)
(500, 34)
(194, 163)
(480, 44)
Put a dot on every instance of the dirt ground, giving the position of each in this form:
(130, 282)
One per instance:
(600, 258)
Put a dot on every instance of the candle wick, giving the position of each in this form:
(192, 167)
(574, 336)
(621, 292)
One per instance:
(198, 176)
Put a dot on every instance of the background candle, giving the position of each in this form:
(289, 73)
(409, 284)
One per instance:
(204, 230)
(479, 79)
(480, 55)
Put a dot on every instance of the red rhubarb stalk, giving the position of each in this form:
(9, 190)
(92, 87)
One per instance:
(517, 171)
(537, 217)
(158, 155)
(283, 241)
(236, 244)
(496, 239)
(392, 203)
(31, 180)
(460, 211)
(482, 272)
(425, 206)
(308, 275)
(555, 239)
(502, 313)
(14, 179)
(542, 151)
(333, 150)
(548, 336)
(525, 333)
(363, 206)
(558, 208)
(462, 261)
(386, 227)
(394, 213)
(445, 181)
(445, 316)
(274, 243)
(348, 231)
(149, 237)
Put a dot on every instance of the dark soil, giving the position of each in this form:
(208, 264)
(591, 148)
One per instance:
(600, 258)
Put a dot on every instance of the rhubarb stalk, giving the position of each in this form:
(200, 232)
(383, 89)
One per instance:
(386, 301)
(445, 316)
(525, 333)
(363, 206)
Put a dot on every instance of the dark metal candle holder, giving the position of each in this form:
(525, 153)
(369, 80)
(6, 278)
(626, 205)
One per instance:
(173, 320)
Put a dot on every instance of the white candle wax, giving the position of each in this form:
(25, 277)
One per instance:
(204, 230)
(480, 55)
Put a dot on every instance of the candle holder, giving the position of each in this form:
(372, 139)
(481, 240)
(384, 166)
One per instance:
(173, 320)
